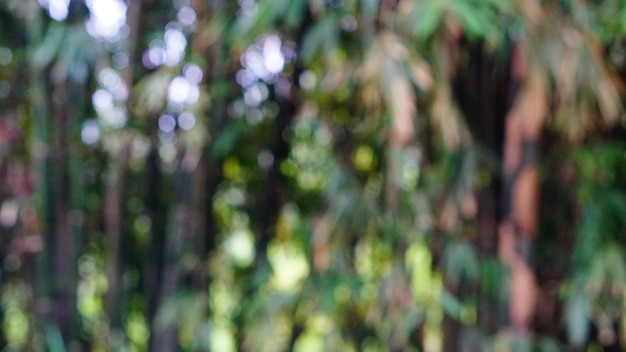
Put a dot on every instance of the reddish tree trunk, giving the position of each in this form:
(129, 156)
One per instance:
(518, 223)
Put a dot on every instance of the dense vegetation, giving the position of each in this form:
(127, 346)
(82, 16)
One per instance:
(312, 175)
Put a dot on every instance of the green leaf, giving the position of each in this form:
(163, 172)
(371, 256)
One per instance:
(450, 304)
(548, 345)
(474, 21)
(319, 37)
(429, 21)
(225, 141)
(75, 56)
(460, 262)
(264, 17)
(295, 11)
(48, 50)
(492, 277)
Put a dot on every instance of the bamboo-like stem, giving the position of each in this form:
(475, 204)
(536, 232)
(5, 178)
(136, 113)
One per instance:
(39, 157)
(115, 187)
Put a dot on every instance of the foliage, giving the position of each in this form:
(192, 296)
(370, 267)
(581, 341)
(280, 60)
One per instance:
(306, 175)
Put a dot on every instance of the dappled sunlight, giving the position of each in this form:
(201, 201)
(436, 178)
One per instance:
(57, 9)
(182, 91)
(239, 247)
(262, 65)
(186, 16)
(175, 43)
(273, 58)
(186, 121)
(167, 123)
(92, 287)
(427, 290)
(222, 339)
(168, 51)
(14, 298)
(108, 102)
(107, 19)
(90, 132)
(289, 266)
(155, 55)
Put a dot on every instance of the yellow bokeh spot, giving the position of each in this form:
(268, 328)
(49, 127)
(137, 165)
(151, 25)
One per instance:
(289, 266)
(418, 261)
(90, 306)
(239, 246)
(137, 330)
(309, 342)
(288, 168)
(231, 169)
(16, 326)
(363, 158)
(222, 339)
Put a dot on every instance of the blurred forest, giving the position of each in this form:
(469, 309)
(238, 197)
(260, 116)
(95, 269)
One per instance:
(312, 175)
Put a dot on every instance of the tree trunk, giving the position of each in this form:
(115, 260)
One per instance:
(483, 90)
(518, 223)
(113, 200)
(114, 190)
(155, 257)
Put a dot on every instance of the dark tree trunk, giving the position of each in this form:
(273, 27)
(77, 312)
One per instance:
(64, 225)
(484, 91)
(155, 257)
(113, 200)
(508, 123)
(115, 188)
(164, 337)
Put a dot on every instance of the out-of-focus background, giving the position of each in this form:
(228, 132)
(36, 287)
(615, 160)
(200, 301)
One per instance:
(312, 175)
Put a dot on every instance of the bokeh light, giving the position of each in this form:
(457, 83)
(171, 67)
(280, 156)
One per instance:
(90, 132)
(107, 17)
(57, 9)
